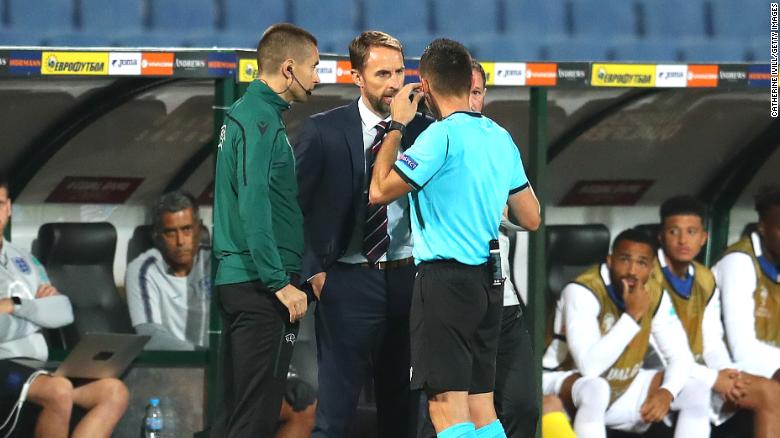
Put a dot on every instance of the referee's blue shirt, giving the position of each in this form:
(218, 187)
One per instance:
(462, 169)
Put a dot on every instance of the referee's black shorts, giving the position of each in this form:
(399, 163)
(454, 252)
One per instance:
(455, 323)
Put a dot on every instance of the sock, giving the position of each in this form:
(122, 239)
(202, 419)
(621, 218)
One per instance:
(491, 430)
(556, 425)
(693, 404)
(460, 430)
(591, 397)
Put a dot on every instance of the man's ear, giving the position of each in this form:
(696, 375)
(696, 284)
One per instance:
(357, 78)
(286, 68)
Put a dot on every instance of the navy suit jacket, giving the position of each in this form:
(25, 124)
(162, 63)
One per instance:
(330, 161)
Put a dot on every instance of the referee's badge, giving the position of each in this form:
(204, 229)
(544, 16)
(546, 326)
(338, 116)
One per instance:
(221, 136)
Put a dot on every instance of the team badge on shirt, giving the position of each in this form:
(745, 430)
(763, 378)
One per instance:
(409, 161)
(21, 264)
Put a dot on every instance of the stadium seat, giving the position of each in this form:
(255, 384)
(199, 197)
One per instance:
(571, 249)
(334, 23)
(751, 227)
(458, 18)
(537, 18)
(123, 16)
(712, 50)
(505, 48)
(646, 50)
(407, 17)
(183, 16)
(613, 19)
(40, 17)
(79, 258)
(576, 49)
(139, 242)
(251, 17)
(673, 19)
(744, 19)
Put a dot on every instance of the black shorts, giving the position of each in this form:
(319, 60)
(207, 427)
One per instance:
(12, 379)
(455, 323)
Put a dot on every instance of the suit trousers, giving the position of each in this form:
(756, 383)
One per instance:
(515, 394)
(362, 323)
(258, 341)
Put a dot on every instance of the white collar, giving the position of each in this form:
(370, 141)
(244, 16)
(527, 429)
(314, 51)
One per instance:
(369, 119)
(604, 271)
(755, 239)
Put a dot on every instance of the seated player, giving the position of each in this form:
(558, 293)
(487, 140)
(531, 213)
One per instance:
(28, 304)
(749, 282)
(610, 314)
(696, 299)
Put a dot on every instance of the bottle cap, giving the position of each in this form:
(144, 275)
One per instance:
(154, 402)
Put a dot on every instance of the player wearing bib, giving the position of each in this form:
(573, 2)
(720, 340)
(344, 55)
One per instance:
(696, 299)
(610, 314)
(747, 277)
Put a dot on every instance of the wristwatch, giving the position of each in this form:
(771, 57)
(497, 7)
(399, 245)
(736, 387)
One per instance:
(17, 301)
(396, 126)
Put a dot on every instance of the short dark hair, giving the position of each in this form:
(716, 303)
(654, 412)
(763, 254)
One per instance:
(634, 235)
(173, 202)
(477, 67)
(683, 205)
(447, 64)
(362, 44)
(282, 41)
(767, 197)
(4, 183)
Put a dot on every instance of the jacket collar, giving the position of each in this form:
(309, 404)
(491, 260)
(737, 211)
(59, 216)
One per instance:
(264, 92)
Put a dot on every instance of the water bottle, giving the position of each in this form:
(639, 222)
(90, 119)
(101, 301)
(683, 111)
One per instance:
(153, 421)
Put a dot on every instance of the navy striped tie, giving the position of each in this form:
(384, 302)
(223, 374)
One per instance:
(375, 238)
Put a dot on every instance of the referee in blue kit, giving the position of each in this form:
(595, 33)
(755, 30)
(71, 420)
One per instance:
(461, 172)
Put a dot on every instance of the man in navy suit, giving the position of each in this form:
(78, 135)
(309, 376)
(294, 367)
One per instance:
(358, 257)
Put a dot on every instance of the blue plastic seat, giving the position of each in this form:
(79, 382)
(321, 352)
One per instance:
(576, 49)
(323, 18)
(252, 16)
(505, 48)
(41, 16)
(647, 50)
(405, 16)
(674, 18)
(184, 16)
(605, 19)
(459, 18)
(536, 18)
(744, 19)
(118, 17)
(713, 50)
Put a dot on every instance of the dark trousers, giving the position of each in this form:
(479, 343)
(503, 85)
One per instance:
(515, 393)
(257, 345)
(362, 323)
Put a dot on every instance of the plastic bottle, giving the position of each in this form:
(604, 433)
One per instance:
(153, 421)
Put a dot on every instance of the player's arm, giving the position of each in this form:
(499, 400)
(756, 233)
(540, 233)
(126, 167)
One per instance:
(736, 279)
(386, 184)
(592, 352)
(667, 331)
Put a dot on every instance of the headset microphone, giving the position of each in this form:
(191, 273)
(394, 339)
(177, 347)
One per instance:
(290, 69)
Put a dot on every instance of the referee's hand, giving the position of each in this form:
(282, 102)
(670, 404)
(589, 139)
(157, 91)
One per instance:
(294, 300)
(402, 109)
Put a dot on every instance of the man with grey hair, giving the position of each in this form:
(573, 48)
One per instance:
(169, 286)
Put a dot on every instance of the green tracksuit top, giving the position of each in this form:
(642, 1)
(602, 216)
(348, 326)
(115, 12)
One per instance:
(258, 225)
